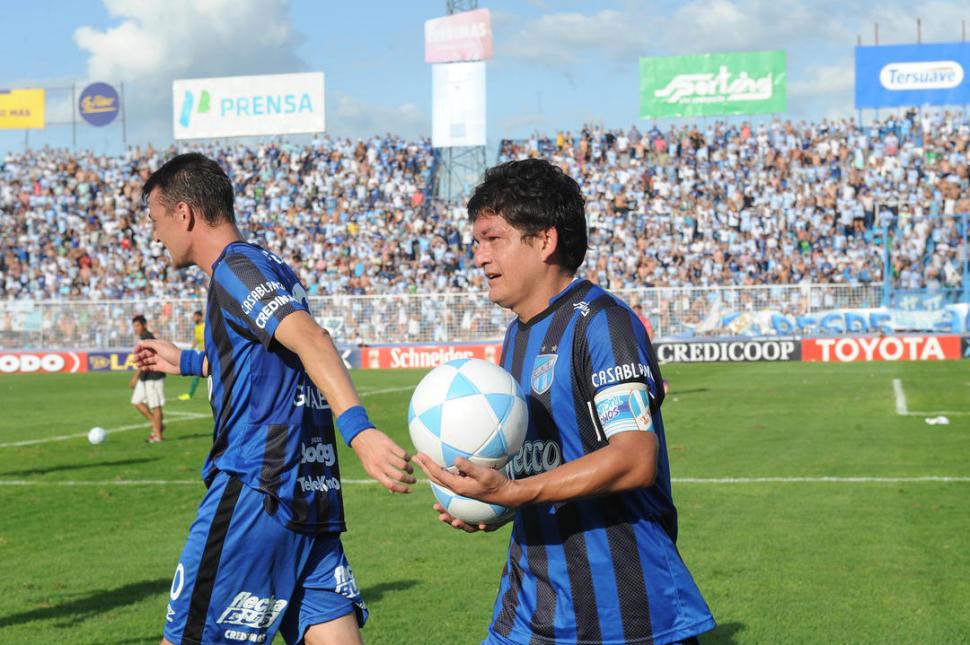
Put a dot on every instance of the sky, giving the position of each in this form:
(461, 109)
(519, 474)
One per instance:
(557, 64)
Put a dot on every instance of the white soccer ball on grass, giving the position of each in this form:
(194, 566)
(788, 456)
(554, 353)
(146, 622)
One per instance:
(97, 435)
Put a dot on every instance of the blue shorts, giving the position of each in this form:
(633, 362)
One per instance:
(242, 576)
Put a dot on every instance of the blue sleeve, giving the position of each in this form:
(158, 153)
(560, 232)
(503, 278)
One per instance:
(621, 378)
(617, 345)
(258, 290)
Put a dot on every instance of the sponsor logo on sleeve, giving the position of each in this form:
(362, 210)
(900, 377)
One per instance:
(259, 293)
(618, 373)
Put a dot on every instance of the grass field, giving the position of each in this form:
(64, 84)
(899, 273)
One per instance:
(811, 510)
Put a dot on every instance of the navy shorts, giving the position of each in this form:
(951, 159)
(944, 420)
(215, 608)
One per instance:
(242, 576)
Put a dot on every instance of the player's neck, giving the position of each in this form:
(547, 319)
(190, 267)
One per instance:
(210, 246)
(547, 288)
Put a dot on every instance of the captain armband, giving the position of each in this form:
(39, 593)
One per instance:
(624, 408)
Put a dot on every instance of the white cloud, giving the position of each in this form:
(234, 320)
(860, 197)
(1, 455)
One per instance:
(158, 41)
(347, 116)
(723, 25)
(823, 90)
(165, 39)
(561, 40)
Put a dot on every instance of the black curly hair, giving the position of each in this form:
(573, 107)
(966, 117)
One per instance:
(533, 195)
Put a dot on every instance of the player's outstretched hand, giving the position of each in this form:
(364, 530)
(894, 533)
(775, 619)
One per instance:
(484, 484)
(461, 525)
(157, 356)
(384, 460)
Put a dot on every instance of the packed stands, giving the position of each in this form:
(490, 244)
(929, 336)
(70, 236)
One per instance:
(725, 203)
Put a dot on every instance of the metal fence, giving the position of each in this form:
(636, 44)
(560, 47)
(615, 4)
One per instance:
(444, 317)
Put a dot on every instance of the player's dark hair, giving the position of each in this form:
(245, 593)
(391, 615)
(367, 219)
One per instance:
(196, 180)
(533, 195)
(139, 319)
(197, 312)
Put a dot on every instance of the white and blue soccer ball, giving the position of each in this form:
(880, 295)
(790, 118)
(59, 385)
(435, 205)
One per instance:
(471, 511)
(97, 435)
(474, 409)
(468, 408)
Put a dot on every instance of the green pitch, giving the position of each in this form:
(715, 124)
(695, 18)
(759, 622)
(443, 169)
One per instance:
(811, 510)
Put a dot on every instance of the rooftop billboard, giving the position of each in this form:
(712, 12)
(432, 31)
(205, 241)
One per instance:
(912, 75)
(713, 84)
(236, 106)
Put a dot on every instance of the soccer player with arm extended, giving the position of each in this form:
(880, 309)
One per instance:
(264, 552)
(592, 557)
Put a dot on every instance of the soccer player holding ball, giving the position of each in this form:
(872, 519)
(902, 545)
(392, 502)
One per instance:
(264, 552)
(592, 557)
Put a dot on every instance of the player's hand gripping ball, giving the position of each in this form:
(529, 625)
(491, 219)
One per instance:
(468, 408)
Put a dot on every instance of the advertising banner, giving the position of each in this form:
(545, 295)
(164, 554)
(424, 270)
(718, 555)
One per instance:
(728, 351)
(458, 104)
(912, 75)
(99, 104)
(459, 37)
(713, 84)
(237, 106)
(21, 109)
(945, 318)
(111, 361)
(43, 362)
(423, 356)
(881, 348)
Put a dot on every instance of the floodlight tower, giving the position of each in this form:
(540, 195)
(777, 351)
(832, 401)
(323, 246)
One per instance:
(459, 167)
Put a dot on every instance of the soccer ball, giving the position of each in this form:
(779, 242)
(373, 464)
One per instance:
(97, 435)
(468, 408)
(474, 409)
(468, 510)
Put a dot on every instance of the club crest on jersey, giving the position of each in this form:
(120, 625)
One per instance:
(543, 372)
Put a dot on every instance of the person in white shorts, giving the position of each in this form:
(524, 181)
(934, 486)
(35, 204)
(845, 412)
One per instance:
(148, 396)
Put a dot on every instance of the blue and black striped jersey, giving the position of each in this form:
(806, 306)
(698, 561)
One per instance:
(602, 570)
(273, 428)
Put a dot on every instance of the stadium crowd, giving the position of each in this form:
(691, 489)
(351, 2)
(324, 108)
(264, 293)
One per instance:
(726, 203)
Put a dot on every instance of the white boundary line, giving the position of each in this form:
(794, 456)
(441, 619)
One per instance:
(819, 480)
(681, 480)
(188, 416)
(387, 390)
(133, 482)
(173, 416)
(902, 409)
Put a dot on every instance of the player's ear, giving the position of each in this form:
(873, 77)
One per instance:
(548, 242)
(186, 215)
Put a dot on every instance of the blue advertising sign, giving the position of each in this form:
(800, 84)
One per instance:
(912, 75)
(98, 104)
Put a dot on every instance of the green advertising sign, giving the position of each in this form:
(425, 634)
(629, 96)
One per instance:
(713, 84)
